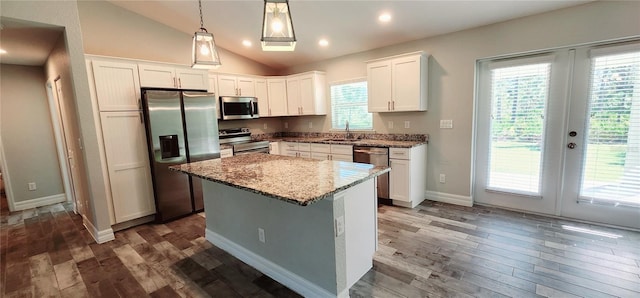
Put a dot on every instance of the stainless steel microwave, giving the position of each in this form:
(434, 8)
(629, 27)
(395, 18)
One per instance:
(238, 107)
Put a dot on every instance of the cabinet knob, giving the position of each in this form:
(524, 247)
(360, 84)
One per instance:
(388, 106)
(180, 82)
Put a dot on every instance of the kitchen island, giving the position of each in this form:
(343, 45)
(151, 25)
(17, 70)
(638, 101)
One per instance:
(309, 224)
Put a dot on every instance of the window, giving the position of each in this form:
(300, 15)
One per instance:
(349, 103)
(518, 100)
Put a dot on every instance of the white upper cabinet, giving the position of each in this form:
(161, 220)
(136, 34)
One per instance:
(232, 85)
(164, 76)
(306, 94)
(117, 85)
(189, 78)
(262, 94)
(213, 87)
(277, 90)
(398, 83)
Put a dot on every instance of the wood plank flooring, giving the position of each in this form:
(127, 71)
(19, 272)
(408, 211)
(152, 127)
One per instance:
(433, 250)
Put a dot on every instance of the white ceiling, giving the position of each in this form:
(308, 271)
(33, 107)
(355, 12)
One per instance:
(350, 26)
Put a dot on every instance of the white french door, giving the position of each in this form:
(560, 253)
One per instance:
(559, 133)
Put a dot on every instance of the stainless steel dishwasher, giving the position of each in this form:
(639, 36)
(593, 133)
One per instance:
(375, 156)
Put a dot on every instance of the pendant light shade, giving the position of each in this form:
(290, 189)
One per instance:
(204, 53)
(277, 27)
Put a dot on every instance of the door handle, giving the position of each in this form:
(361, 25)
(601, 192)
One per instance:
(571, 145)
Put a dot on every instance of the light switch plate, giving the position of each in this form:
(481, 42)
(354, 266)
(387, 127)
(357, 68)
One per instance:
(446, 123)
(310, 124)
(390, 124)
(286, 125)
(339, 225)
(407, 124)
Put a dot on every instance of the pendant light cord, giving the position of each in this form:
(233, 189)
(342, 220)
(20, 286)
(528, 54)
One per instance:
(201, 22)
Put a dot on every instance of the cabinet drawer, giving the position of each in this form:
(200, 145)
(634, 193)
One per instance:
(321, 148)
(304, 147)
(400, 153)
(304, 154)
(291, 146)
(342, 149)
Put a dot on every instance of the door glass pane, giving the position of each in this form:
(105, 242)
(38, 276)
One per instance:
(611, 171)
(518, 104)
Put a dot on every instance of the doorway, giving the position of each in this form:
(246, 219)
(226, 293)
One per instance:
(558, 133)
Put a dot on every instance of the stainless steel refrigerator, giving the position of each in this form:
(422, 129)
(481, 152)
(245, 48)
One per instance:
(182, 126)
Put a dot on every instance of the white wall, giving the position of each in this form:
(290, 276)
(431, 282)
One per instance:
(110, 30)
(27, 133)
(65, 14)
(452, 72)
(57, 65)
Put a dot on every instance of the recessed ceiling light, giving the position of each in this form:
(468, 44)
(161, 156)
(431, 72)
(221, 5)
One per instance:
(2, 51)
(246, 43)
(384, 17)
(323, 42)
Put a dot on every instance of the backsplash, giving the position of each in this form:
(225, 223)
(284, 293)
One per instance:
(363, 136)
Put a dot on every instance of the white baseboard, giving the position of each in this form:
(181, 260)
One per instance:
(279, 274)
(449, 198)
(38, 202)
(100, 236)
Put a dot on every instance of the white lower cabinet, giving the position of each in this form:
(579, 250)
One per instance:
(296, 149)
(224, 153)
(274, 148)
(332, 152)
(128, 165)
(407, 179)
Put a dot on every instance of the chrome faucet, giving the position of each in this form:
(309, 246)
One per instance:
(346, 125)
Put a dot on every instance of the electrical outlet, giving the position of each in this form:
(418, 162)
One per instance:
(443, 178)
(261, 235)
(390, 124)
(339, 225)
(310, 124)
(446, 123)
(286, 125)
(32, 186)
(264, 126)
(407, 124)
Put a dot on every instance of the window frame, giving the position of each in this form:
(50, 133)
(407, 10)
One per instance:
(346, 82)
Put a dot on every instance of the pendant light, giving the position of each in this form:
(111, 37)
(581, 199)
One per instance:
(277, 27)
(204, 53)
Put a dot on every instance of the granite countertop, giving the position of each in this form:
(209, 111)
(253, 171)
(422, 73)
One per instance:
(354, 142)
(295, 180)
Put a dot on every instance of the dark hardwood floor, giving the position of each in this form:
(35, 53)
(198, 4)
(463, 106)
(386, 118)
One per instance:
(434, 250)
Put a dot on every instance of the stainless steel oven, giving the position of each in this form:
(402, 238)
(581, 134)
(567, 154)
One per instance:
(238, 107)
(240, 141)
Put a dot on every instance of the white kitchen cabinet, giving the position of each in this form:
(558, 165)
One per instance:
(306, 94)
(233, 85)
(262, 94)
(274, 148)
(169, 76)
(213, 87)
(332, 152)
(128, 165)
(117, 85)
(408, 176)
(296, 149)
(224, 153)
(277, 90)
(398, 83)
